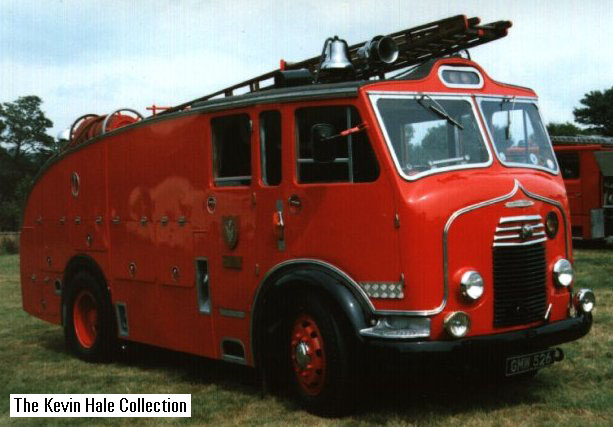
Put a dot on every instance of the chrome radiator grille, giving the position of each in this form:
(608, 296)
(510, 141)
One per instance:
(519, 231)
(519, 284)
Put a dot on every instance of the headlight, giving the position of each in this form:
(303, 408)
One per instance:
(551, 224)
(585, 301)
(472, 285)
(457, 324)
(563, 273)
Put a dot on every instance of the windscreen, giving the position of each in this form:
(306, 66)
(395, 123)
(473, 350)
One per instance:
(429, 135)
(518, 134)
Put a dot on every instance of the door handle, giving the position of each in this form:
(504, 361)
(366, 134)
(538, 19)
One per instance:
(279, 229)
(278, 225)
(277, 220)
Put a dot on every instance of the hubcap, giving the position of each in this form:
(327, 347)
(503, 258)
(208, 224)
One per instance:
(302, 355)
(85, 319)
(308, 356)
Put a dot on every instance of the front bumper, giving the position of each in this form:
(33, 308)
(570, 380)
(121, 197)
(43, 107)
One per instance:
(487, 347)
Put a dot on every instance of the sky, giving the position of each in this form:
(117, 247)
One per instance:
(97, 56)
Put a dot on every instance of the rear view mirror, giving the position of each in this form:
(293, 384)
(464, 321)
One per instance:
(322, 136)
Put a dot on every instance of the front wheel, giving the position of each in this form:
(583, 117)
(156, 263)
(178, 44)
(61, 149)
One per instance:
(89, 327)
(319, 357)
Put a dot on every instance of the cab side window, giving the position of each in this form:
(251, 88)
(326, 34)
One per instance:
(353, 157)
(231, 150)
(270, 147)
(569, 165)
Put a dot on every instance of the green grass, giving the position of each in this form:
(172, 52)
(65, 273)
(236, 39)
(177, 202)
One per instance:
(578, 391)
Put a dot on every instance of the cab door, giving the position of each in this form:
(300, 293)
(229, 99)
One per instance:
(273, 135)
(341, 208)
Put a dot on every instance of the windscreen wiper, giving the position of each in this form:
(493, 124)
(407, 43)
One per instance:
(439, 110)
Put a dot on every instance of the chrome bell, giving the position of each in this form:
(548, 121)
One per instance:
(336, 55)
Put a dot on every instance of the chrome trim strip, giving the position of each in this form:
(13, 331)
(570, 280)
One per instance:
(516, 236)
(531, 242)
(518, 227)
(232, 313)
(465, 94)
(507, 237)
(506, 219)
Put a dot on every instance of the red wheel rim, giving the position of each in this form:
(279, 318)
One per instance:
(308, 355)
(85, 319)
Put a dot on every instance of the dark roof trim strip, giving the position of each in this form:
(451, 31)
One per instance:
(585, 139)
(300, 93)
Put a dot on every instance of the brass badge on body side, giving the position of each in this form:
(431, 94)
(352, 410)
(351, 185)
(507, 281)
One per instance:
(229, 229)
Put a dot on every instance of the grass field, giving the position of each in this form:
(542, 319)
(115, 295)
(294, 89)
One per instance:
(578, 391)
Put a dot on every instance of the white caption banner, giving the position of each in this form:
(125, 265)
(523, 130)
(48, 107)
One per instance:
(101, 405)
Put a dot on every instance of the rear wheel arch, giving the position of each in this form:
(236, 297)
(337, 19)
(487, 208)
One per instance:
(79, 263)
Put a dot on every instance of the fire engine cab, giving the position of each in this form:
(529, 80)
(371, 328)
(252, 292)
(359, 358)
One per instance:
(586, 164)
(387, 197)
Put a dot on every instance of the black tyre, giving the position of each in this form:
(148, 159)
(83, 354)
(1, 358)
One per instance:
(319, 357)
(89, 325)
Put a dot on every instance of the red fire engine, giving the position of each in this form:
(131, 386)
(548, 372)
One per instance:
(586, 163)
(385, 198)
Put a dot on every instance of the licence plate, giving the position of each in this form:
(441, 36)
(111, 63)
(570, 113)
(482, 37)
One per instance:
(529, 362)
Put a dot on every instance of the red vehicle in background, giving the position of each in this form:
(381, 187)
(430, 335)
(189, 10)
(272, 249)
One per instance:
(586, 163)
(383, 199)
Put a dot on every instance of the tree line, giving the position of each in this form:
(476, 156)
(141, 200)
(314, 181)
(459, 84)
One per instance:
(596, 114)
(25, 145)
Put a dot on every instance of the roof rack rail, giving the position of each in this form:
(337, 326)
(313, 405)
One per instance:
(582, 139)
(415, 46)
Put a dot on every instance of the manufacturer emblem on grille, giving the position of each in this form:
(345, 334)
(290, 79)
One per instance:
(526, 232)
(521, 203)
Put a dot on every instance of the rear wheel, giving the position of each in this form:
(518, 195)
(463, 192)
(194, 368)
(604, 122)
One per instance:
(319, 357)
(89, 327)
(85, 318)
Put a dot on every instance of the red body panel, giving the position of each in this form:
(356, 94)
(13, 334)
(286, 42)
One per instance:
(585, 191)
(143, 202)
